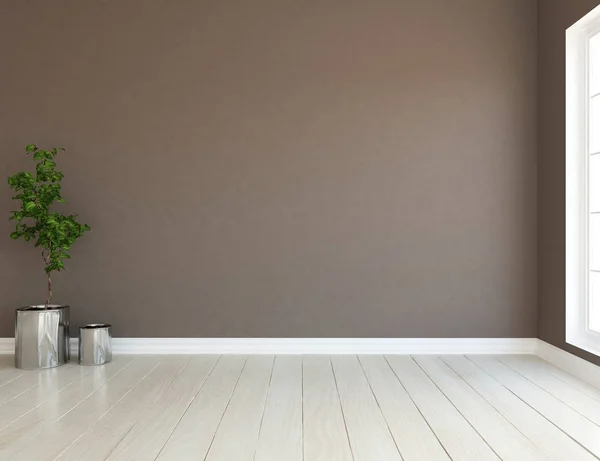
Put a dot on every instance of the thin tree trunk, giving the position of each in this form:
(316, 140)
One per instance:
(47, 261)
(49, 291)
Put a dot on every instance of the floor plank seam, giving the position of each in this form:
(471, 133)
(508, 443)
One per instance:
(48, 397)
(187, 407)
(135, 424)
(416, 406)
(379, 407)
(78, 403)
(576, 388)
(19, 394)
(456, 408)
(262, 417)
(488, 402)
(545, 391)
(535, 409)
(121, 438)
(93, 392)
(302, 401)
(225, 410)
(109, 409)
(341, 407)
(11, 380)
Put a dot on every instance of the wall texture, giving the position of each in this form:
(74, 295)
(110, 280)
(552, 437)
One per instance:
(554, 17)
(338, 168)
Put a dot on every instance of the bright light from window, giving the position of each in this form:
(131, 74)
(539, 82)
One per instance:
(593, 130)
(583, 183)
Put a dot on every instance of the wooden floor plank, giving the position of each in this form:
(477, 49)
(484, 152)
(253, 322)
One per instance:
(22, 431)
(504, 438)
(576, 399)
(572, 423)
(237, 435)
(583, 386)
(415, 439)
(102, 437)
(545, 435)
(60, 434)
(20, 384)
(193, 435)
(461, 441)
(10, 374)
(50, 382)
(370, 437)
(149, 435)
(281, 432)
(325, 436)
(14, 382)
(294, 408)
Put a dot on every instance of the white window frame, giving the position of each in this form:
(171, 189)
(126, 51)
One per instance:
(576, 183)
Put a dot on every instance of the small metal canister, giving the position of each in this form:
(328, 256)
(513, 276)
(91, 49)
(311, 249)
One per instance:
(95, 344)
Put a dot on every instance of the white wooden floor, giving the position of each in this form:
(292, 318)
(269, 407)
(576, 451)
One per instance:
(292, 408)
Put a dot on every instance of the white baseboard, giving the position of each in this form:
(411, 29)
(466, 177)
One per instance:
(311, 345)
(572, 364)
(7, 346)
(562, 359)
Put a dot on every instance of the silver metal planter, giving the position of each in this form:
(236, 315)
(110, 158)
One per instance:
(42, 336)
(95, 344)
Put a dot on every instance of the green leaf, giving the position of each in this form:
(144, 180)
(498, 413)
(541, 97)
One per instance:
(36, 219)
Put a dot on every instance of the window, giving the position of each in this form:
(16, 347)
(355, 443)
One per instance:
(583, 183)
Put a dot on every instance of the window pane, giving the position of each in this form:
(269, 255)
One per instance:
(595, 242)
(594, 183)
(594, 51)
(594, 307)
(594, 128)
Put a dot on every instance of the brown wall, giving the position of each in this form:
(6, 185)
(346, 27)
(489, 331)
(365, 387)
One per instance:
(554, 17)
(340, 168)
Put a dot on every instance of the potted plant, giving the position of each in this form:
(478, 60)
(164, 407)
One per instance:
(42, 331)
